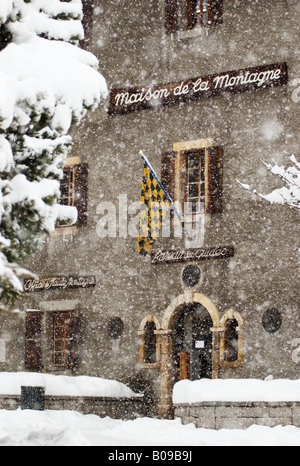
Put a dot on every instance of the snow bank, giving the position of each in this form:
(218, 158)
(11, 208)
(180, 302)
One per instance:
(66, 428)
(60, 385)
(236, 390)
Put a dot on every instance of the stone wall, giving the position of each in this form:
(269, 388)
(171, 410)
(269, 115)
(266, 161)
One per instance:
(221, 415)
(116, 408)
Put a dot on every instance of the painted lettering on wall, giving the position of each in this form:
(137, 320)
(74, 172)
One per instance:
(61, 283)
(132, 99)
(191, 255)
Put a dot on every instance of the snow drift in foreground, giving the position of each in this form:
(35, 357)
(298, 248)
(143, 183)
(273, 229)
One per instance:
(236, 390)
(61, 385)
(66, 428)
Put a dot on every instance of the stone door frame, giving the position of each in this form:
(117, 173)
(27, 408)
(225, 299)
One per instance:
(166, 337)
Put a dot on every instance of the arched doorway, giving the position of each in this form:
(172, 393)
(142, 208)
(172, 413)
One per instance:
(193, 343)
(190, 334)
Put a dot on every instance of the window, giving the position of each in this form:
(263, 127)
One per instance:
(193, 177)
(67, 187)
(231, 351)
(231, 345)
(50, 340)
(190, 14)
(73, 188)
(150, 342)
(195, 181)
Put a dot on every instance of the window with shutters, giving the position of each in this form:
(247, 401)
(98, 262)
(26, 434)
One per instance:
(191, 14)
(193, 177)
(50, 340)
(73, 188)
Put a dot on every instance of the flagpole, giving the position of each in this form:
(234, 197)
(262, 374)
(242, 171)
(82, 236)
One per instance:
(165, 192)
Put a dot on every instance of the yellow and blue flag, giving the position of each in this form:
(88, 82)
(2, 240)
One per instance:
(155, 204)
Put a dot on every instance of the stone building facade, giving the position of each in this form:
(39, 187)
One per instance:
(207, 90)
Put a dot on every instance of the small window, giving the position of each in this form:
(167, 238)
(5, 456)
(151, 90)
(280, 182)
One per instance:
(73, 189)
(199, 173)
(181, 15)
(67, 187)
(231, 351)
(231, 345)
(115, 328)
(150, 342)
(197, 13)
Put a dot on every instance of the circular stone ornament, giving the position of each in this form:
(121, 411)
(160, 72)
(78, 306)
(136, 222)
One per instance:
(272, 320)
(191, 276)
(115, 328)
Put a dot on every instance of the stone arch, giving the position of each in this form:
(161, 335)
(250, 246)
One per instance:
(232, 314)
(176, 306)
(149, 318)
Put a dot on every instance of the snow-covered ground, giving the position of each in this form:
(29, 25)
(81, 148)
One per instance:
(63, 385)
(70, 428)
(235, 390)
(66, 428)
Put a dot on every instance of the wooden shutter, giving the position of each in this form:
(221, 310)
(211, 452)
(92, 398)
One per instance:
(81, 193)
(214, 182)
(71, 330)
(171, 12)
(168, 172)
(215, 12)
(87, 22)
(64, 339)
(191, 13)
(33, 341)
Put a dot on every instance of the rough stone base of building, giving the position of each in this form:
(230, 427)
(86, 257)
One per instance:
(220, 415)
(116, 408)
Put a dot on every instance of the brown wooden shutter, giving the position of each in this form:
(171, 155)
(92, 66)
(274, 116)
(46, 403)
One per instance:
(168, 172)
(33, 341)
(64, 339)
(87, 22)
(191, 16)
(71, 332)
(215, 11)
(81, 193)
(214, 194)
(171, 11)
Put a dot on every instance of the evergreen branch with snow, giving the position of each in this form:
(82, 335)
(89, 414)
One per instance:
(47, 85)
(290, 193)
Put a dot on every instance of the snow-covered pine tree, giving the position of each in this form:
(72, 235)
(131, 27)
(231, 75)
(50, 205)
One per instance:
(47, 84)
